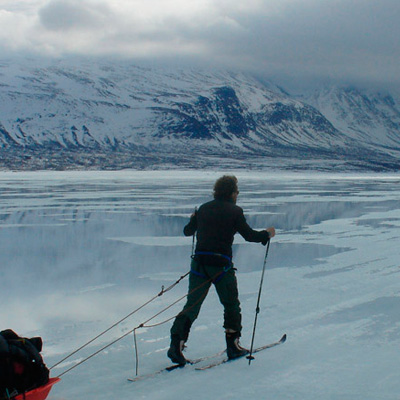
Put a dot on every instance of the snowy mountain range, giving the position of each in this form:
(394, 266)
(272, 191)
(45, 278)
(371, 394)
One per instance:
(100, 114)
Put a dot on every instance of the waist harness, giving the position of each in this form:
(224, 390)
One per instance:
(225, 269)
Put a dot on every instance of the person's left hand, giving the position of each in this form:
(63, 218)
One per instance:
(271, 231)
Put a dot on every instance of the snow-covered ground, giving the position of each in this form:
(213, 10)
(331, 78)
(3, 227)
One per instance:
(80, 250)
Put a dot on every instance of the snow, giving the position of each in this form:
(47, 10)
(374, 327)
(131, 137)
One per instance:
(368, 115)
(112, 100)
(81, 250)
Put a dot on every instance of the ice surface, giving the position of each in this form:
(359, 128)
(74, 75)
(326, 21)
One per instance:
(80, 250)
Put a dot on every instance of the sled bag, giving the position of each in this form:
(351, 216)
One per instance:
(21, 365)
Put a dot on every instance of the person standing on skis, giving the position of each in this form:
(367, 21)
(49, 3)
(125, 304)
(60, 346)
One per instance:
(215, 224)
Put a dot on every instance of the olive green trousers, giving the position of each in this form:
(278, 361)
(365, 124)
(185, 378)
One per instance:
(200, 280)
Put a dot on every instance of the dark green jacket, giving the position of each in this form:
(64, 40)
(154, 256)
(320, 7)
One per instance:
(216, 223)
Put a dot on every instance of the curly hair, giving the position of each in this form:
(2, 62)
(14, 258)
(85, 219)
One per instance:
(225, 186)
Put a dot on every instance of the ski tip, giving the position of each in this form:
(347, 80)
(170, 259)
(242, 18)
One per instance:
(283, 338)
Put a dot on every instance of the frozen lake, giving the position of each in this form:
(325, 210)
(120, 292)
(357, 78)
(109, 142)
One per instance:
(80, 250)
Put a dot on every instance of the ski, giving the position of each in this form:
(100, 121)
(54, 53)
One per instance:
(199, 360)
(225, 360)
(175, 366)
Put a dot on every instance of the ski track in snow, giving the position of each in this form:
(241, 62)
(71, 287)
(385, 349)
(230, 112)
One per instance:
(331, 282)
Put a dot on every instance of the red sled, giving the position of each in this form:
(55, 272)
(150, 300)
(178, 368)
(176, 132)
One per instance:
(39, 393)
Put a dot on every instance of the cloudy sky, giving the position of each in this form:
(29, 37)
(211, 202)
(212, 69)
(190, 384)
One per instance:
(299, 39)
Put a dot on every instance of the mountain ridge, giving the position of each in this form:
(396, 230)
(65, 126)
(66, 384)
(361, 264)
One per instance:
(63, 114)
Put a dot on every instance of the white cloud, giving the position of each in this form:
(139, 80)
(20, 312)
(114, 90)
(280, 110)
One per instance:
(13, 30)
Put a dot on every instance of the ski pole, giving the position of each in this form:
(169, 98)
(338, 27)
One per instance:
(194, 235)
(250, 356)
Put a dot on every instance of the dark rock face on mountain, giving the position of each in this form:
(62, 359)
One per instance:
(65, 115)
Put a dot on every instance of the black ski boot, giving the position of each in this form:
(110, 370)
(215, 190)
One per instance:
(233, 348)
(175, 350)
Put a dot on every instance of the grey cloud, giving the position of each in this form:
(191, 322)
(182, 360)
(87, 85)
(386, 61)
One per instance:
(335, 39)
(64, 15)
(324, 39)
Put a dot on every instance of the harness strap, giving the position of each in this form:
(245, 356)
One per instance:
(210, 253)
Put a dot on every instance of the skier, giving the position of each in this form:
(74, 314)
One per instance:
(216, 223)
